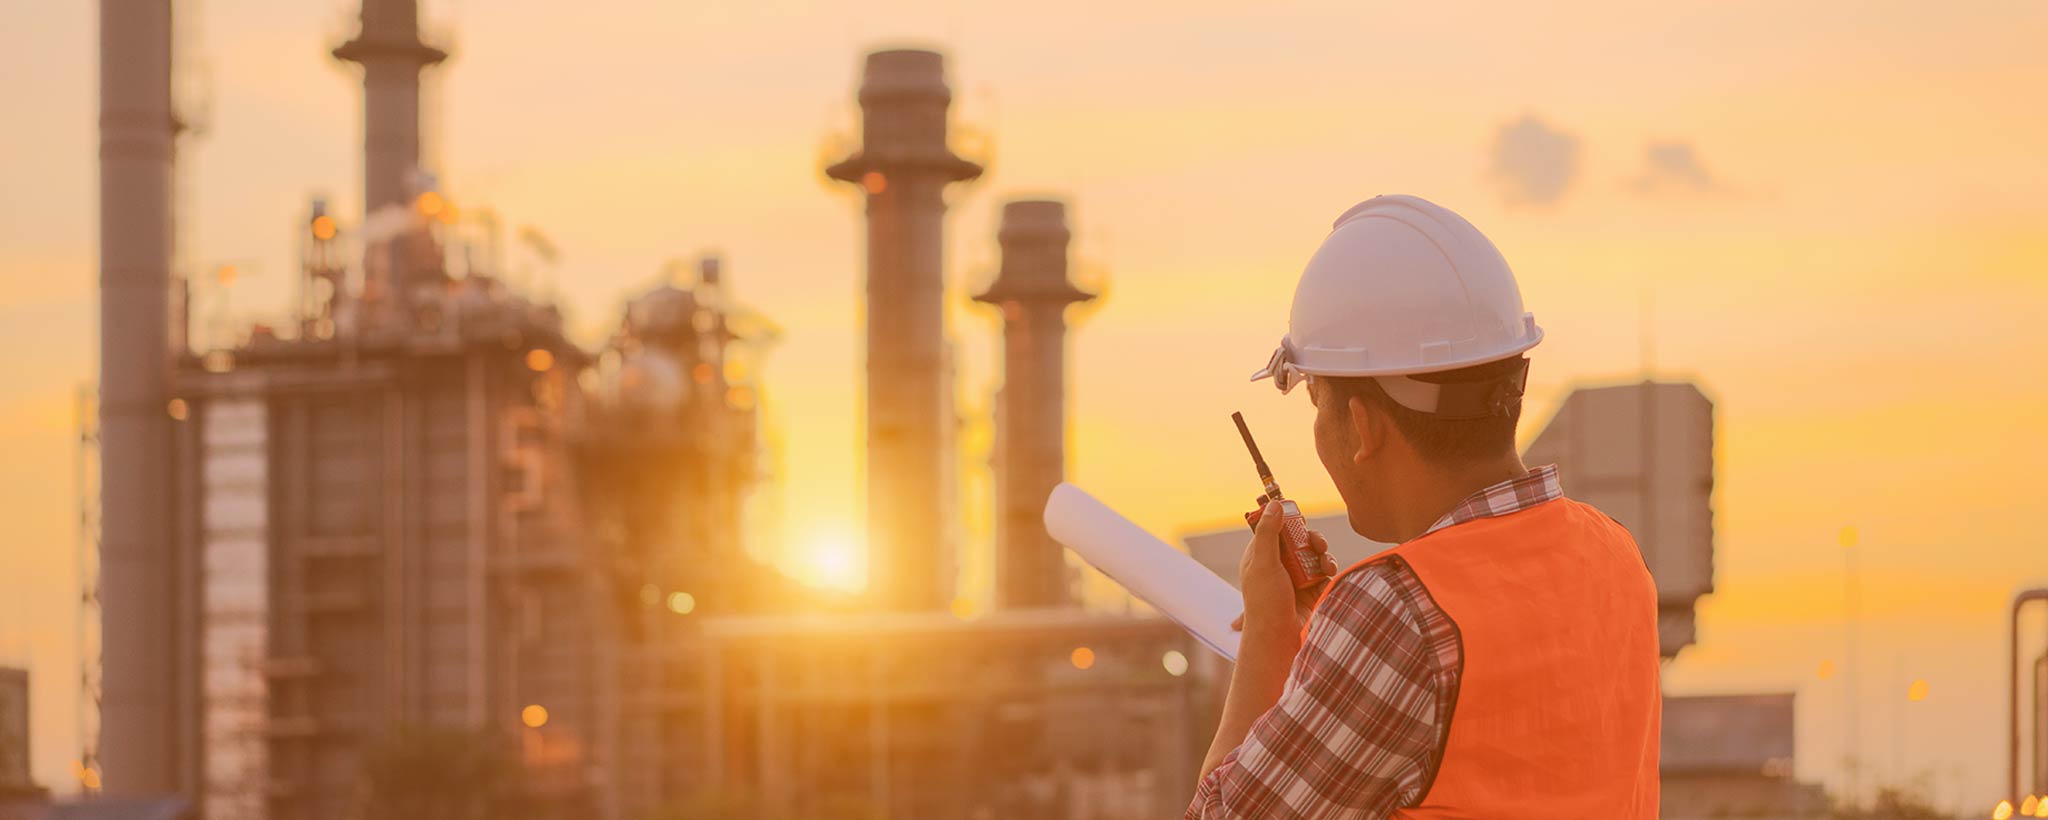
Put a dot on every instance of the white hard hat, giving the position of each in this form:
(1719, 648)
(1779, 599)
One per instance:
(1404, 287)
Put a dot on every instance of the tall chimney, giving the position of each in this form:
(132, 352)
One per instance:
(904, 165)
(1032, 290)
(139, 727)
(390, 51)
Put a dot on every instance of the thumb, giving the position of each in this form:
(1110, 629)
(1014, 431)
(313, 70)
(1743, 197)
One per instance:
(1267, 533)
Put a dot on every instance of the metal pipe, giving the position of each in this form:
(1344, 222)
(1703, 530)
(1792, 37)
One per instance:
(137, 147)
(2019, 602)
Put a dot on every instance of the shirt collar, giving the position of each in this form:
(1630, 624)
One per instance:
(1513, 495)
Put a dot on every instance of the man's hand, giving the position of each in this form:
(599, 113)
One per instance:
(1272, 605)
(1273, 614)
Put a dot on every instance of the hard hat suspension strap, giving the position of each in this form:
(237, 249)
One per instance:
(1456, 395)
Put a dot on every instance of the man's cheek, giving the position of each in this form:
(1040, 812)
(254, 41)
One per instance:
(1330, 444)
(1323, 443)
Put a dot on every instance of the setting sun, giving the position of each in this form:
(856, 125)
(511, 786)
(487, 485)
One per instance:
(831, 561)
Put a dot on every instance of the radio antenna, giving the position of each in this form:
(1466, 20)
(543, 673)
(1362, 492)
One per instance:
(1258, 461)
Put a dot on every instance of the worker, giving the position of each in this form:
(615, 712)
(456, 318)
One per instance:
(1500, 661)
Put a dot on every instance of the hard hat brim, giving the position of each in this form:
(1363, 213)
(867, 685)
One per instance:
(1325, 362)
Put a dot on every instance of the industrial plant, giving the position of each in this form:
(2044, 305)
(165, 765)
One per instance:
(415, 512)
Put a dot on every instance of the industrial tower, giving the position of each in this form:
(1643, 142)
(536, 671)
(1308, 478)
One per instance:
(1032, 290)
(390, 51)
(137, 563)
(314, 539)
(904, 165)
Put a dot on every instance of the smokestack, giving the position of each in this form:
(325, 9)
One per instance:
(904, 165)
(1032, 290)
(390, 51)
(137, 129)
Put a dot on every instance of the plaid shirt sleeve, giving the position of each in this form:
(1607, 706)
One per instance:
(1361, 717)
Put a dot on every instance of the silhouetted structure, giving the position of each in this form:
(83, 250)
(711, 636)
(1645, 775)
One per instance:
(381, 516)
(417, 504)
(147, 653)
(1732, 756)
(412, 514)
(383, 532)
(389, 49)
(14, 777)
(1021, 713)
(1033, 293)
(114, 808)
(1644, 454)
(904, 165)
(2019, 694)
(665, 458)
(2041, 722)
(917, 716)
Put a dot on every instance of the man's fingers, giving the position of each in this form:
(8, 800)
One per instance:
(1237, 623)
(1322, 548)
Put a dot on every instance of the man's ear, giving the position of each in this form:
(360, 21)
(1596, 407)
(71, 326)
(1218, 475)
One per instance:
(1369, 428)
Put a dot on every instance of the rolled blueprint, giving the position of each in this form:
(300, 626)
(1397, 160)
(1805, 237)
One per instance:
(1168, 579)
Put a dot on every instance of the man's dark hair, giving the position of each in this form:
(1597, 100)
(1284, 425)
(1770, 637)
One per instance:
(1449, 442)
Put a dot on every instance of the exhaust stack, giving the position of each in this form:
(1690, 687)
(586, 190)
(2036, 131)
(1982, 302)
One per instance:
(904, 165)
(392, 55)
(1032, 290)
(139, 724)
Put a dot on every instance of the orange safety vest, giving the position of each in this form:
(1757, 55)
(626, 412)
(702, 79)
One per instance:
(1558, 707)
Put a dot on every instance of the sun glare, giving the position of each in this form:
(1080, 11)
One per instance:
(833, 562)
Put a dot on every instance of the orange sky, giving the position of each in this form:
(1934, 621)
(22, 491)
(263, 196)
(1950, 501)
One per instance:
(1853, 263)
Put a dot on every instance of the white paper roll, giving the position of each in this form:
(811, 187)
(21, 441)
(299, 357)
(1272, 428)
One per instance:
(1168, 579)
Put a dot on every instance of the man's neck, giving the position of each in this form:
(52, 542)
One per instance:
(1444, 489)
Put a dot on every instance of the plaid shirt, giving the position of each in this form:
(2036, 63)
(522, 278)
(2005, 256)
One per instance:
(1366, 709)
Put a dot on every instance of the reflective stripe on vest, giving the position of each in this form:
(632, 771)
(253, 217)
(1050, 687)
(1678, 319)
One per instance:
(1558, 705)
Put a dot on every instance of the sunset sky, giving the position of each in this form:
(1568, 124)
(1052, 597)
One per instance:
(1834, 216)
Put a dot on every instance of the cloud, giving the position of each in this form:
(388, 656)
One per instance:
(1533, 163)
(1673, 166)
